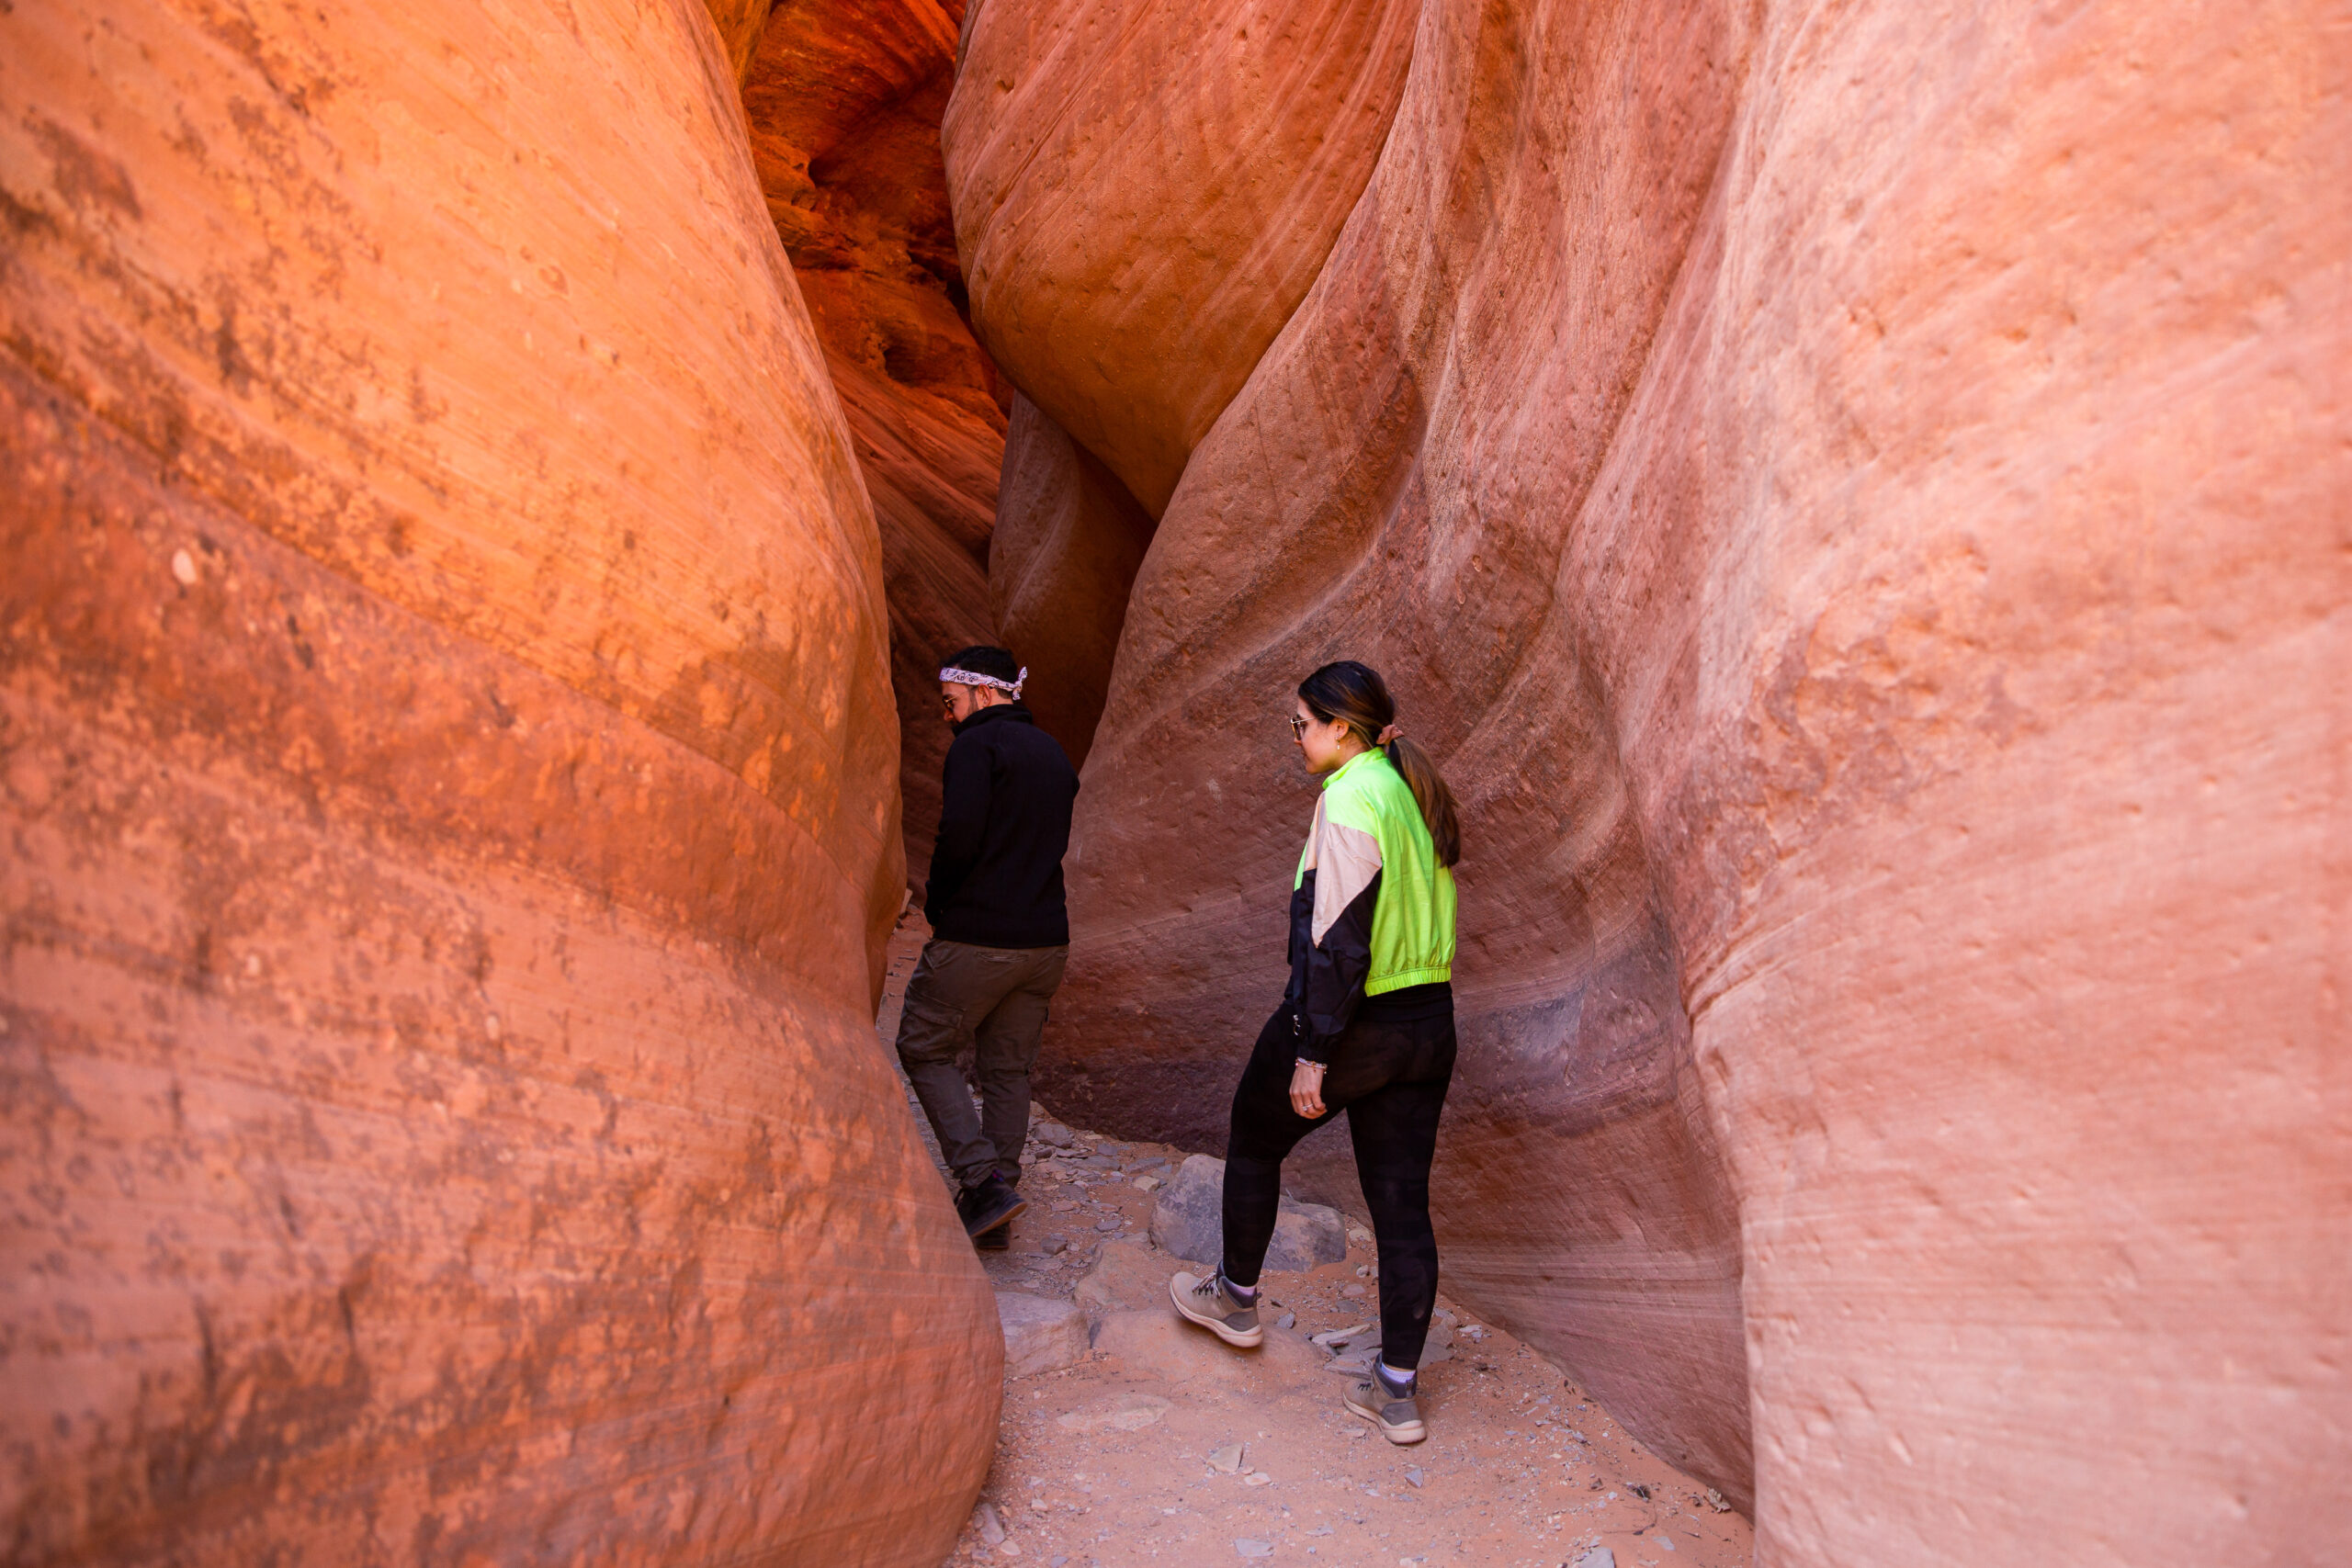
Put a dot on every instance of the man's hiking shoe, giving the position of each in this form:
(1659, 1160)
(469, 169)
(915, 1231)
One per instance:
(987, 1206)
(1396, 1415)
(1210, 1305)
(997, 1240)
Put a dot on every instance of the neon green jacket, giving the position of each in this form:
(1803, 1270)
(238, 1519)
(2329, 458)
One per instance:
(1371, 910)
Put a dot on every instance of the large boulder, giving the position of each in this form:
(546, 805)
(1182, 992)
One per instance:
(1188, 1220)
(449, 770)
(1854, 505)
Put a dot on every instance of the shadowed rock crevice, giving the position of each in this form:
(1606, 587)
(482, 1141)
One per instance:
(1068, 542)
(843, 101)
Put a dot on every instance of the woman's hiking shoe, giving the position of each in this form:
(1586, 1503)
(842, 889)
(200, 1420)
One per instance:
(1210, 1305)
(1396, 1415)
(983, 1207)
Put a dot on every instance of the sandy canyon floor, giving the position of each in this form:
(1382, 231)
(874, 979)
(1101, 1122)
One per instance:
(1160, 1444)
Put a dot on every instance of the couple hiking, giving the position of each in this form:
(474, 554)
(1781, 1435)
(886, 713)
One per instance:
(1365, 1024)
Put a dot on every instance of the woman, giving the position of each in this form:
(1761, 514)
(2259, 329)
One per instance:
(1366, 1026)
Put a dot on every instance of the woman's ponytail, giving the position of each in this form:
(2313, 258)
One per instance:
(1355, 695)
(1436, 801)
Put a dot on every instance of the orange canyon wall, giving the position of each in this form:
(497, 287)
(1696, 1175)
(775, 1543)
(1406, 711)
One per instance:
(843, 99)
(1857, 500)
(448, 763)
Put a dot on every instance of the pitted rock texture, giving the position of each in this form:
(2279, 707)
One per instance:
(1069, 540)
(448, 773)
(1866, 546)
(843, 99)
(1144, 190)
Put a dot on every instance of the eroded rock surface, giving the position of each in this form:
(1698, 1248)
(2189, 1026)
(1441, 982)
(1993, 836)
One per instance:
(448, 767)
(1069, 540)
(1144, 190)
(844, 98)
(1866, 545)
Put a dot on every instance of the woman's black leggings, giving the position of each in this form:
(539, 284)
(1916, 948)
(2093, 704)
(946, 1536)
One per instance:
(1390, 1076)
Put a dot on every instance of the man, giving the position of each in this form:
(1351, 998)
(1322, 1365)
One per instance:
(999, 933)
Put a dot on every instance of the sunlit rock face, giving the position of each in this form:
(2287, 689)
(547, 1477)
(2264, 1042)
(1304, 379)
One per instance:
(1144, 190)
(448, 771)
(843, 99)
(1866, 545)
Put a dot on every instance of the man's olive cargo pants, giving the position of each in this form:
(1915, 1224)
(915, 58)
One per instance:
(993, 1000)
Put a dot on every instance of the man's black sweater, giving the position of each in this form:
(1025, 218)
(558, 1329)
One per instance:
(996, 872)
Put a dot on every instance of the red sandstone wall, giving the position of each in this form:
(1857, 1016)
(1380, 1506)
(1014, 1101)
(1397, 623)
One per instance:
(844, 100)
(1068, 542)
(447, 771)
(1857, 503)
(1213, 150)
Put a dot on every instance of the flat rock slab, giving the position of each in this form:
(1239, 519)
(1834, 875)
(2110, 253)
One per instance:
(1041, 1333)
(1127, 1274)
(1188, 1220)
(1157, 1342)
(1119, 1413)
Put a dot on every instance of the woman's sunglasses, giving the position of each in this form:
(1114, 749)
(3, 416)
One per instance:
(1298, 726)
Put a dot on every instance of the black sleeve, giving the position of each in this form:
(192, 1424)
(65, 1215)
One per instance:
(963, 815)
(1327, 976)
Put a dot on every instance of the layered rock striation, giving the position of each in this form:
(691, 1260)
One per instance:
(448, 771)
(1144, 191)
(843, 101)
(1865, 544)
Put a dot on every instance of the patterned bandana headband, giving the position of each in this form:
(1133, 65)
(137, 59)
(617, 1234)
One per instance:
(969, 678)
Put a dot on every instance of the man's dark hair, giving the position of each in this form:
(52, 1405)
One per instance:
(984, 660)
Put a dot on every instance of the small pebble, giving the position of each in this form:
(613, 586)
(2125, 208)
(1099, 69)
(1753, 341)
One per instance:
(1415, 1477)
(1287, 1320)
(1248, 1548)
(1227, 1460)
(1107, 1222)
(1352, 1290)
(1055, 1244)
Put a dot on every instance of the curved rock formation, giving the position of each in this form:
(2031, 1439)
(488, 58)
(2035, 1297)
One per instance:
(1865, 543)
(843, 99)
(1068, 539)
(1144, 189)
(448, 769)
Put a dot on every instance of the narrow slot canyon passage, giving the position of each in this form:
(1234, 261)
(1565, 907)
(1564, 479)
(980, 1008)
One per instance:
(1854, 502)
(1128, 1437)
